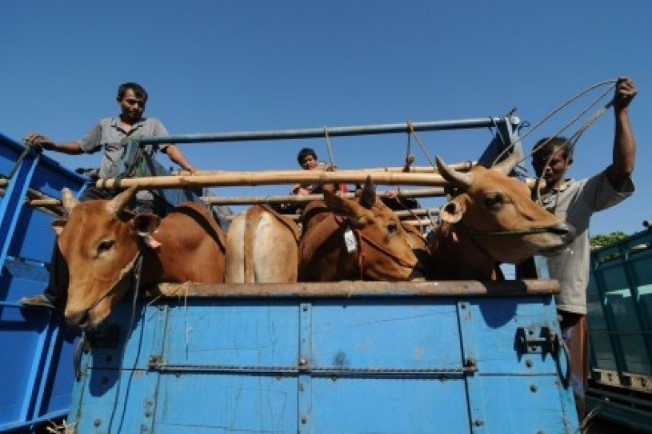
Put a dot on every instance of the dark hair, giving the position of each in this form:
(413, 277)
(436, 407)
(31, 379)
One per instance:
(137, 88)
(303, 153)
(548, 145)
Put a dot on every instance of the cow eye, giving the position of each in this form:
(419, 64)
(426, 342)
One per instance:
(392, 228)
(104, 246)
(494, 201)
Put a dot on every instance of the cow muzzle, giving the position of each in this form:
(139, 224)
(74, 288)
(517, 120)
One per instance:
(565, 230)
(79, 319)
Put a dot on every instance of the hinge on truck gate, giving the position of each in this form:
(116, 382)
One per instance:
(527, 340)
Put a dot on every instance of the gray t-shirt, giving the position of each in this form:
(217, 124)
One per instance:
(576, 202)
(108, 135)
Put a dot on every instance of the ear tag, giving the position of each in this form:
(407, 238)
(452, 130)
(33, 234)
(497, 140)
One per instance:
(349, 241)
(151, 242)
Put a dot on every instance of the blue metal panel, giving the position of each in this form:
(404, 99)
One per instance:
(382, 365)
(37, 351)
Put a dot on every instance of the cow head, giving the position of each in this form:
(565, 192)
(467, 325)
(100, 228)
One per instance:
(377, 243)
(99, 242)
(496, 218)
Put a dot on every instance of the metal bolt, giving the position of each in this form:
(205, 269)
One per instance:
(303, 361)
(305, 308)
(304, 420)
(529, 363)
(478, 422)
(533, 387)
(97, 422)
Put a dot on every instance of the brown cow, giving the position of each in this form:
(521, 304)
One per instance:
(352, 239)
(262, 247)
(101, 244)
(492, 220)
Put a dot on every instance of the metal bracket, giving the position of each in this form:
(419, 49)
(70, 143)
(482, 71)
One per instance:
(527, 341)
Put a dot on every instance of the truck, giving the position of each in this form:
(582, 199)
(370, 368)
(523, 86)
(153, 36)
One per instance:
(620, 331)
(355, 357)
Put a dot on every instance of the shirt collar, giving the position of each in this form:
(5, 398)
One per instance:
(115, 123)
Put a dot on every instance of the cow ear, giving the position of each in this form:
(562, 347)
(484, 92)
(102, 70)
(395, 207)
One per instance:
(343, 207)
(145, 224)
(452, 212)
(58, 225)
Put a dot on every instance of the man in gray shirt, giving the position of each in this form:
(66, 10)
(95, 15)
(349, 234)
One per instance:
(575, 202)
(112, 135)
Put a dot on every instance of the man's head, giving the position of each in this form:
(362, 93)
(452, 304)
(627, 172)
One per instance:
(307, 158)
(551, 158)
(132, 98)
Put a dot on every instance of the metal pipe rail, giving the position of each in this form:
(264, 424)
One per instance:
(357, 130)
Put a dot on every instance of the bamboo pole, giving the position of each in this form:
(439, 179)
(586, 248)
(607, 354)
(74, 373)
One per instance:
(226, 179)
(292, 198)
(400, 213)
(462, 167)
(38, 200)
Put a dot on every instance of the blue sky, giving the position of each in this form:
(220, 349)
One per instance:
(221, 66)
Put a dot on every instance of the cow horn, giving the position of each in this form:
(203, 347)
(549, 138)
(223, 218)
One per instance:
(368, 195)
(458, 179)
(507, 165)
(120, 201)
(68, 200)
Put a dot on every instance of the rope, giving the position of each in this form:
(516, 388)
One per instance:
(133, 162)
(555, 111)
(412, 131)
(572, 141)
(409, 158)
(329, 147)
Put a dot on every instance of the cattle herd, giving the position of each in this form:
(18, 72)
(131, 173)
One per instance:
(490, 219)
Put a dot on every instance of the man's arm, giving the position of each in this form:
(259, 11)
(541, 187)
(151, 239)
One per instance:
(73, 148)
(624, 149)
(176, 156)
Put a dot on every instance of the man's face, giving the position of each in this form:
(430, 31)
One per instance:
(553, 173)
(309, 162)
(132, 106)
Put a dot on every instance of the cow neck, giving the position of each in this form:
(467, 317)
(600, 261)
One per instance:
(360, 236)
(464, 244)
(319, 234)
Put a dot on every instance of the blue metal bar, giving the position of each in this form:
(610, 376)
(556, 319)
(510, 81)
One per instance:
(52, 337)
(12, 202)
(36, 374)
(304, 383)
(357, 130)
(45, 418)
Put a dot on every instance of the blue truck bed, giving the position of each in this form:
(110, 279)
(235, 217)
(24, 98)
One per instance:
(432, 357)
